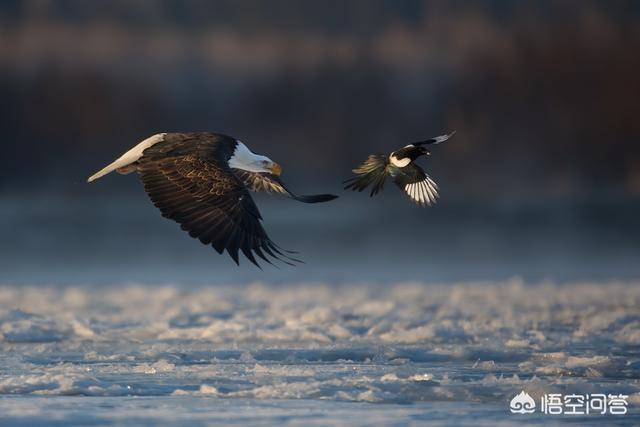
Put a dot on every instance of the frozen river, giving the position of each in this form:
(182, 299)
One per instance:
(312, 353)
(110, 315)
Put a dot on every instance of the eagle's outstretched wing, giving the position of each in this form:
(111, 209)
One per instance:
(372, 172)
(262, 181)
(193, 185)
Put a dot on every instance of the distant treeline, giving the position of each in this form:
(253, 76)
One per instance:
(545, 96)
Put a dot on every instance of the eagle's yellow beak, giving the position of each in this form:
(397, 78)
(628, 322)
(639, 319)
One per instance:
(275, 169)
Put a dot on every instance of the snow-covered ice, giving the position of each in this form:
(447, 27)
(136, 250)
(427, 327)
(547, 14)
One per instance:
(312, 352)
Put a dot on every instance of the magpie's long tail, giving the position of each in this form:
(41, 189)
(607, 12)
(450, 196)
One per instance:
(371, 172)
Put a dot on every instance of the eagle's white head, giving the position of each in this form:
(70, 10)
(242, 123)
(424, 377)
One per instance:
(245, 159)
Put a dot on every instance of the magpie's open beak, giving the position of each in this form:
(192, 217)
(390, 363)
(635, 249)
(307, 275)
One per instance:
(424, 151)
(275, 168)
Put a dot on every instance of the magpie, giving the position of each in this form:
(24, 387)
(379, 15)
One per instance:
(401, 167)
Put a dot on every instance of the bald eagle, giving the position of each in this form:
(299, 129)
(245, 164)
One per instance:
(400, 166)
(202, 181)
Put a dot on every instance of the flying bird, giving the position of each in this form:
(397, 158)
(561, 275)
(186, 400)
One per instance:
(202, 181)
(401, 167)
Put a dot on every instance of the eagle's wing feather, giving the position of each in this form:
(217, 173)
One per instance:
(256, 181)
(372, 172)
(270, 183)
(193, 185)
(419, 186)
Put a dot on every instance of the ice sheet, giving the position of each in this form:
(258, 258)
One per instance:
(471, 346)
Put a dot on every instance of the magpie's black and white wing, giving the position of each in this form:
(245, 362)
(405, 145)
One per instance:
(188, 178)
(270, 183)
(435, 140)
(419, 186)
(372, 172)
